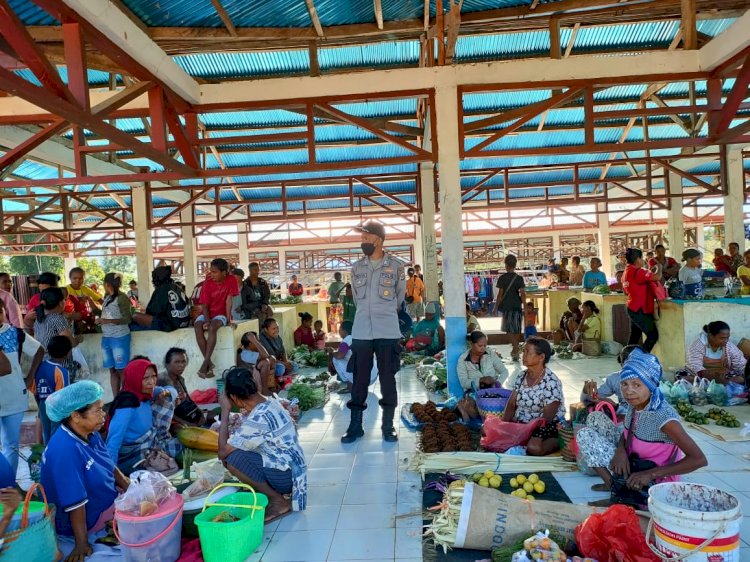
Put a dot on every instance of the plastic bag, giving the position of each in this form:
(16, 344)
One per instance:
(717, 393)
(680, 391)
(698, 395)
(666, 390)
(499, 436)
(540, 547)
(147, 491)
(209, 474)
(614, 536)
(736, 394)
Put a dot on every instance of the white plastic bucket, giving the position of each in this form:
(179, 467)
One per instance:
(154, 538)
(694, 523)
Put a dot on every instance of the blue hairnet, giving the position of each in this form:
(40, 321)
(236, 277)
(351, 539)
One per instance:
(61, 404)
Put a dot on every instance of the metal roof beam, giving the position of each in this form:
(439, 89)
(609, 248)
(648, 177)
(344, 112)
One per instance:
(137, 48)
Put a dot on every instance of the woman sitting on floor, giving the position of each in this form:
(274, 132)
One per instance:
(478, 369)
(714, 357)
(590, 327)
(78, 474)
(254, 357)
(537, 393)
(427, 335)
(653, 432)
(186, 412)
(265, 451)
(569, 321)
(304, 334)
(140, 418)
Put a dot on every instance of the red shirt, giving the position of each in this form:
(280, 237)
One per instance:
(214, 295)
(636, 284)
(36, 300)
(723, 263)
(304, 336)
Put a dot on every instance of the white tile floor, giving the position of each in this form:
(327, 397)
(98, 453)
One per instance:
(365, 505)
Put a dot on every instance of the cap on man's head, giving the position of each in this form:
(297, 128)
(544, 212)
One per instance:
(373, 227)
(430, 308)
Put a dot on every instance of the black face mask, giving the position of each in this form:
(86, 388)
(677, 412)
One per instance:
(368, 249)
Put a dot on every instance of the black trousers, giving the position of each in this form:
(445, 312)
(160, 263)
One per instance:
(641, 323)
(388, 355)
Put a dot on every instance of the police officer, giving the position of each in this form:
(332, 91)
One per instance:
(379, 287)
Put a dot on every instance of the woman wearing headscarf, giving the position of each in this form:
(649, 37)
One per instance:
(78, 473)
(140, 418)
(652, 432)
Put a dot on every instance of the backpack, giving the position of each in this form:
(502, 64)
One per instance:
(179, 312)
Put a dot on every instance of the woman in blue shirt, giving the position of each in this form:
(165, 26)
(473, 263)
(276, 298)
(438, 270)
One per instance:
(594, 277)
(78, 474)
(140, 417)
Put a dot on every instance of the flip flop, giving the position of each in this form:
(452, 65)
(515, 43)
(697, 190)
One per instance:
(599, 488)
(202, 374)
(277, 517)
(601, 503)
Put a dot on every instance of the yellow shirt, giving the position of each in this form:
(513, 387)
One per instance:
(84, 291)
(592, 327)
(744, 270)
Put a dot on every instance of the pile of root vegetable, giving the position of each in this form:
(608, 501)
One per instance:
(428, 413)
(446, 437)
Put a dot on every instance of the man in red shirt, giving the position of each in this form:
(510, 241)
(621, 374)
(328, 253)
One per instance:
(669, 266)
(216, 310)
(637, 285)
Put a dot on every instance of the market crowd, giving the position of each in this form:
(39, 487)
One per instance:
(92, 448)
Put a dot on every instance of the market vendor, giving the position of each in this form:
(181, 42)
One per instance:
(186, 412)
(78, 473)
(653, 432)
(272, 342)
(480, 367)
(256, 295)
(471, 321)
(691, 274)
(590, 327)
(594, 277)
(569, 321)
(427, 335)
(537, 393)
(304, 335)
(254, 357)
(714, 357)
(168, 308)
(265, 451)
(140, 417)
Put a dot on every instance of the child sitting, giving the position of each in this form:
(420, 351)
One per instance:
(50, 377)
(319, 335)
(340, 359)
(529, 320)
(216, 297)
(253, 356)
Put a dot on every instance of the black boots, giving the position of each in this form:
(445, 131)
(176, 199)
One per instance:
(389, 433)
(355, 430)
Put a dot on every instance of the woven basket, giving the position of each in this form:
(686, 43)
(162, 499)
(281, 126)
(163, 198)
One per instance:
(592, 347)
(568, 447)
(492, 406)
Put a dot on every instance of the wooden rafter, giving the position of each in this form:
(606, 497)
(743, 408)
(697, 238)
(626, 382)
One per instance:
(688, 24)
(224, 16)
(378, 8)
(314, 18)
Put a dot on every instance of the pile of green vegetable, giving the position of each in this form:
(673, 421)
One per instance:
(308, 397)
(316, 358)
(601, 290)
(690, 414)
(408, 359)
(289, 299)
(563, 350)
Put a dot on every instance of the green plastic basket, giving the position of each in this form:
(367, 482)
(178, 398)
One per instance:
(236, 541)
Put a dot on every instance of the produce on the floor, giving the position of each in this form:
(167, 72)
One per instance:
(308, 396)
(446, 437)
(469, 463)
(199, 438)
(428, 413)
(690, 414)
(723, 418)
(479, 509)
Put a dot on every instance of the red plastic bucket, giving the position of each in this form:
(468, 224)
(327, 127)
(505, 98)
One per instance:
(153, 538)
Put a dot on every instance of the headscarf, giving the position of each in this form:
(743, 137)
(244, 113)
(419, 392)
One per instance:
(132, 378)
(646, 367)
(62, 403)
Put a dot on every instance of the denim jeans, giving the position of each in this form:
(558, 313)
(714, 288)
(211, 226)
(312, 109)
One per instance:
(10, 435)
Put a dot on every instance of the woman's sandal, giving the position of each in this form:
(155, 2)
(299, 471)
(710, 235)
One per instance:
(277, 516)
(600, 488)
